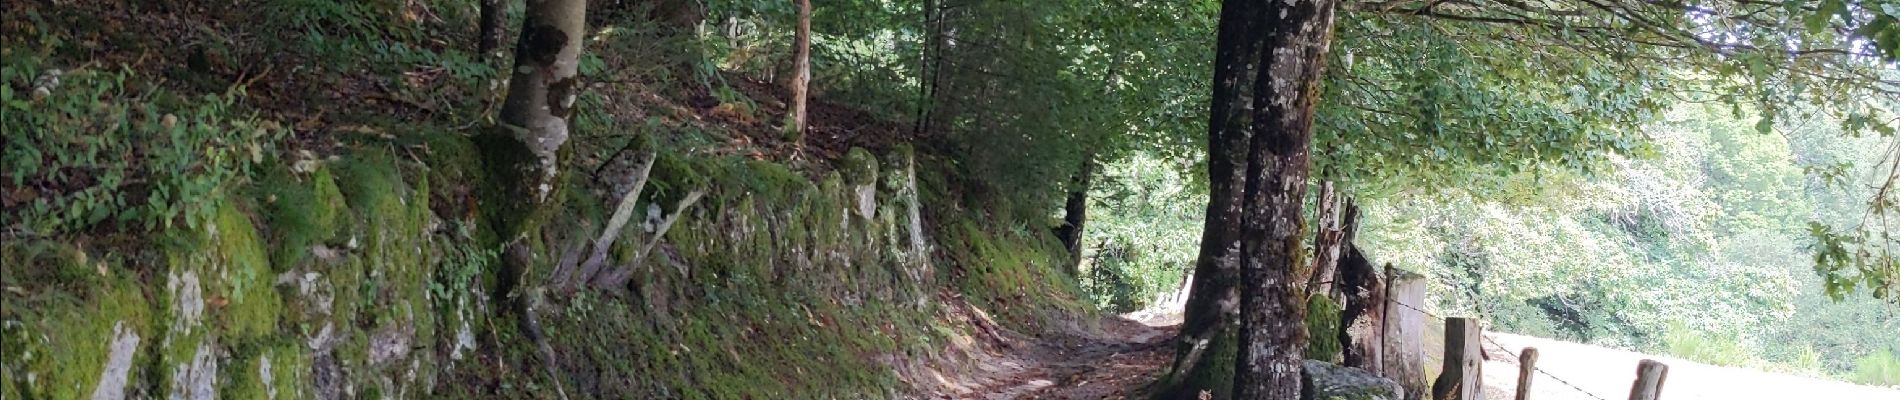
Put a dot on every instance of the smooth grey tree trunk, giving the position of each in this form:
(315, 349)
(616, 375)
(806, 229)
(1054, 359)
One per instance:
(801, 70)
(525, 146)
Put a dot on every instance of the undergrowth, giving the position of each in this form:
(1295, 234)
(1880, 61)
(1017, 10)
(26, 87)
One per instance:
(91, 145)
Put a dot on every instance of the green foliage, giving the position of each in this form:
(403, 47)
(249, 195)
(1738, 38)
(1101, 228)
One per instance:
(1882, 369)
(1687, 251)
(1409, 104)
(1681, 341)
(1110, 286)
(91, 147)
(1022, 94)
(1142, 233)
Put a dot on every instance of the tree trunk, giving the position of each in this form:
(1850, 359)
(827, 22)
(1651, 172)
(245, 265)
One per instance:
(801, 71)
(1204, 349)
(1075, 214)
(494, 19)
(1272, 307)
(931, 65)
(522, 151)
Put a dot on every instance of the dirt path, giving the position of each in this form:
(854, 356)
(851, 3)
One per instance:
(1127, 356)
(1107, 358)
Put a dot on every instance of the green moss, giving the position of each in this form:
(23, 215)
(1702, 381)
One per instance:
(1322, 329)
(454, 169)
(285, 363)
(300, 212)
(1213, 372)
(242, 277)
(56, 264)
(509, 192)
(860, 167)
(64, 333)
(1013, 273)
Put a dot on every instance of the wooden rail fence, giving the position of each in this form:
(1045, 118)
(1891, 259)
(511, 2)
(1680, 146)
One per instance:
(1387, 338)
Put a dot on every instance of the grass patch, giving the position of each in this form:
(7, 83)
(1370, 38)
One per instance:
(1680, 341)
(1878, 369)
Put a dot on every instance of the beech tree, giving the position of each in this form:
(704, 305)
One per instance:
(801, 71)
(523, 149)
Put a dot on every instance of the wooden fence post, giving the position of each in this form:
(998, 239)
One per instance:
(1649, 380)
(1526, 365)
(1463, 375)
(1403, 340)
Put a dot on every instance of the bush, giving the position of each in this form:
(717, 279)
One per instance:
(1110, 285)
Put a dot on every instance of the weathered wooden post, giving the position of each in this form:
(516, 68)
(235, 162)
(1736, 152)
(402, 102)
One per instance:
(1403, 340)
(1526, 365)
(1649, 380)
(1463, 376)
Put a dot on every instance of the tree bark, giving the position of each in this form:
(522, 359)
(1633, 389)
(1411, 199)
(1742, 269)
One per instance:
(801, 70)
(1272, 306)
(1075, 214)
(523, 149)
(494, 19)
(1203, 358)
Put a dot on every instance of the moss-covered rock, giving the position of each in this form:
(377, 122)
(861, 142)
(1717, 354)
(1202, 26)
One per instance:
(63, 340)
(1327, 381)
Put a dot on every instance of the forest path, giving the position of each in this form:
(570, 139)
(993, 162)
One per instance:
(1127, 353)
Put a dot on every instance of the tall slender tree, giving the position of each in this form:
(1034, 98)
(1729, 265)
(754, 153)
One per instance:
(1206, 344)
(801, 71)
(488, 36)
